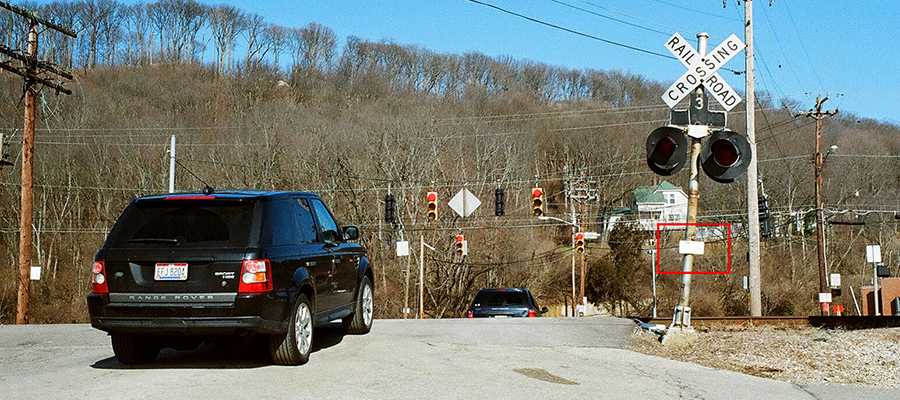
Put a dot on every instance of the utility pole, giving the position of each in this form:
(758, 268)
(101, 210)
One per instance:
(32, 70)
(421, 276)
(752, 176)
(172, 165)
(818, 115)
(586, 192)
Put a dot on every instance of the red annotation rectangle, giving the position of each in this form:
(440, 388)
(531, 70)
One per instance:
(728, 240)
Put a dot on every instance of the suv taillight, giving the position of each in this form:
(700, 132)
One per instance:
(531, 313)
(256, 277)
(470, 315)
(98, 278)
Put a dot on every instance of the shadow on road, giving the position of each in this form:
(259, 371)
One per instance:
(252, 354)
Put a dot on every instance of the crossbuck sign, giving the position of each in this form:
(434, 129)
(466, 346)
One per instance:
(702, 71)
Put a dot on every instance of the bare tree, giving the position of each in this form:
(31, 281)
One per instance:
(255, 27)
(226, 23)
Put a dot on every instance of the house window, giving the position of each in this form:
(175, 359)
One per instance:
(670, 198)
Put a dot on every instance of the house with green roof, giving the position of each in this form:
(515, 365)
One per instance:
(662, 203)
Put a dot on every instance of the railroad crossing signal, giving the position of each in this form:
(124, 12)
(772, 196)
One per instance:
(702, 71)
(698, 113)
(537, 202)
(725, 156)
(667, 150)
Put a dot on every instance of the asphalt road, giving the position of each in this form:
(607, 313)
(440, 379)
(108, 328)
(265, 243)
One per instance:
(544, 358)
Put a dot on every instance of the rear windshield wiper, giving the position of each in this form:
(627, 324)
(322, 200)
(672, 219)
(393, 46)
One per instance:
(154, 240)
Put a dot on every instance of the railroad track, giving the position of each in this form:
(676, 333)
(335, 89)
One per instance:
(826, 322)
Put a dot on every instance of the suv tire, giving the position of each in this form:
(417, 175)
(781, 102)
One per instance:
(132, 349)
(361, 320)
(293, 347)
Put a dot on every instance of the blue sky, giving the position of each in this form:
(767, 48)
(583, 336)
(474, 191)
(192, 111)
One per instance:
(847, 49)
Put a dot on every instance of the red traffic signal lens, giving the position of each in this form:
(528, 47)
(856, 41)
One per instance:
(459, 239)
(537, 192)
(432, 196)
(666, 146)
(579, 236)
(724, 153)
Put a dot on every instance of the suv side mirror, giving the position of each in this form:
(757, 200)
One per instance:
(351, 233)
(544, 310)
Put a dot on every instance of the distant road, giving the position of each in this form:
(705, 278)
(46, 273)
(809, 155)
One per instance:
(543, 358)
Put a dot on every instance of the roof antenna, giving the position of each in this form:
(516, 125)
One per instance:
(207, 190)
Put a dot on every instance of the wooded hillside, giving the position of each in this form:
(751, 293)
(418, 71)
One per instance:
(266, 107)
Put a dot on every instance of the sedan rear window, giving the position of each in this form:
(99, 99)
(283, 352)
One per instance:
(500, 299)
(191, 223)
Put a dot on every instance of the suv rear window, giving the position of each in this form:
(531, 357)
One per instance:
(500, 299)
(190, 223)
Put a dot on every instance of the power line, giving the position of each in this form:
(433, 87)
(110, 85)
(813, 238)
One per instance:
(572, 31)
(609, 18)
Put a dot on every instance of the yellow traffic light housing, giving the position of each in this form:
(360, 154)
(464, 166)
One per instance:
(537, 202)
(432, 198)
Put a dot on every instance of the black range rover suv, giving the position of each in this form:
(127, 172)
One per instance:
(178, 270)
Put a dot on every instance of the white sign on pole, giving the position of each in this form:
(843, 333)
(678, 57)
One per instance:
(873, 254)
(835, 281)
(824, 297)
(35, 272)
(464, 203)
(690, 247)
(702, 71)
(402, 248)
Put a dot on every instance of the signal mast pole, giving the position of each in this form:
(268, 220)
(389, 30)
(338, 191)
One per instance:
(682, 317)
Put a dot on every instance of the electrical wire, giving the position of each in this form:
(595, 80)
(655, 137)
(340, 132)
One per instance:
(572, 31)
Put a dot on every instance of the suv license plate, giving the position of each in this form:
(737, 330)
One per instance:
(171, 272)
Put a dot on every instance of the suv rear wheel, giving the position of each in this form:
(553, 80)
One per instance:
(293, 348)
(361, 320)
(132, 349)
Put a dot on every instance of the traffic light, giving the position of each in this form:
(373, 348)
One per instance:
(579, 242)
(498, 202)
(667, 149)
(725, 156)
(389, 208)
(432, 198)
(537, 202)
(462, 247)
(764, 216)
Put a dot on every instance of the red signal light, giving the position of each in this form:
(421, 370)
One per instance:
(537, 202)
(531, 313)
(461, 246)
(432, 213)
(579, 242)
(725, 156)
(724, 153)
(666, 150)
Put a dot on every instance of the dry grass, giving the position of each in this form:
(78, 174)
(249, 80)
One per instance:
(863, 357)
